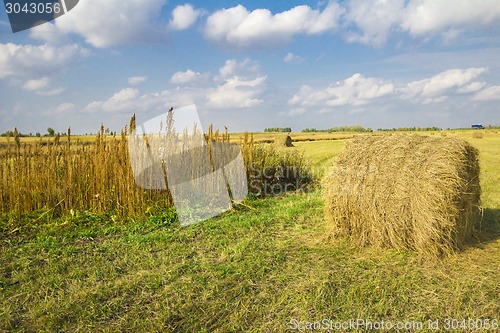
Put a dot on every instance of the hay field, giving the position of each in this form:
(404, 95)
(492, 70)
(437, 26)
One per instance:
(237, 137)
(259, 268)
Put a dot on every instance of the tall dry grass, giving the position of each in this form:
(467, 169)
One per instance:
(65, 175)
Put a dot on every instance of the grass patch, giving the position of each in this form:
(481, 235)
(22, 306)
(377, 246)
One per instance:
(251, 269)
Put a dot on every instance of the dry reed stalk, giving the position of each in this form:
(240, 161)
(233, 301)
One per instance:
(62, 176)
(405, 192)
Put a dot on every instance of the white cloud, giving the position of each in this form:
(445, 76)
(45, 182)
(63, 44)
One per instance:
(115, 22)
(472, 87)
(18, 60)
(429, 16)
(489, 94)
(120, 101)
(239, 85)
(42, 87)
(136, 80)
(64, 108)
(48, 33)
(51, 92)
(130, 100)
(432, 100)
(188, 76)
(291, 58)
(374, 18)
(183, 17)
(355, 90)
(428, 89)
(33, 85)
(245, 68)
(358, 90)
(93, 106)
(239, 28)
(236, 93)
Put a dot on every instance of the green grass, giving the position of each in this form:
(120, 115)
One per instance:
(252, 269)
(321, 153)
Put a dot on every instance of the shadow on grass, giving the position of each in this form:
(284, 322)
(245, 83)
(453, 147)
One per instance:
(488, 230)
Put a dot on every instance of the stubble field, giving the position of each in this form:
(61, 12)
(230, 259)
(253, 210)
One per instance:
(267, 266)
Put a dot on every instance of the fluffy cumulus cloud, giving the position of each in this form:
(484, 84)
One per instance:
(376, 19)
(115, 22)
(188, 76)
(472, 87)
(129, 100)
(34, 60)
(136, 80)
(124, 99)
(245, 68)
(237, 27)
(291, 58)
(49, 34)
(355, 90)
(42, 87)
(51, 92)
(238, 85)
(36, 84)
(369, 22)
(488, 94)
(64, 108)
(434, 89)
(358, 90)
(236, 93)
(428, 16)
(373, 20)
(183, 16)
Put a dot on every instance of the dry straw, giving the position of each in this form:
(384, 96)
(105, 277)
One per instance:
(405, 192)
(477, 135)
(283, 141)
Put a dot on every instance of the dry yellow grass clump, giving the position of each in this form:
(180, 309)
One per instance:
(61, 175)
(283, 140)
(405, 192)
(477, 135)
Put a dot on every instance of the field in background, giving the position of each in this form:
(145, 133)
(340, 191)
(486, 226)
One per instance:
(263, 137)
(262, 267)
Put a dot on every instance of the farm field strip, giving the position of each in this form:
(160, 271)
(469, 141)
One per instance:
(255, 268)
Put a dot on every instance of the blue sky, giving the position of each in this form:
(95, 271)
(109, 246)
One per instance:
(251, 65)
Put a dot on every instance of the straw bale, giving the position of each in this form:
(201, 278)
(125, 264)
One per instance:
(405, 192)
(284, 141)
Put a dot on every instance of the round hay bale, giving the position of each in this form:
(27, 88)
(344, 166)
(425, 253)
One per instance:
(284, 141)
(405, 192)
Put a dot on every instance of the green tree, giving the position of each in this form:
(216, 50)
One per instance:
(50, 131)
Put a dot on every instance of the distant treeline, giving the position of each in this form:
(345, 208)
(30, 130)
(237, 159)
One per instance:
(356, 128)
(50, 133)
(11, 134)
(434, 128)
(15, 133)
(409, 129)
(278, 129)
